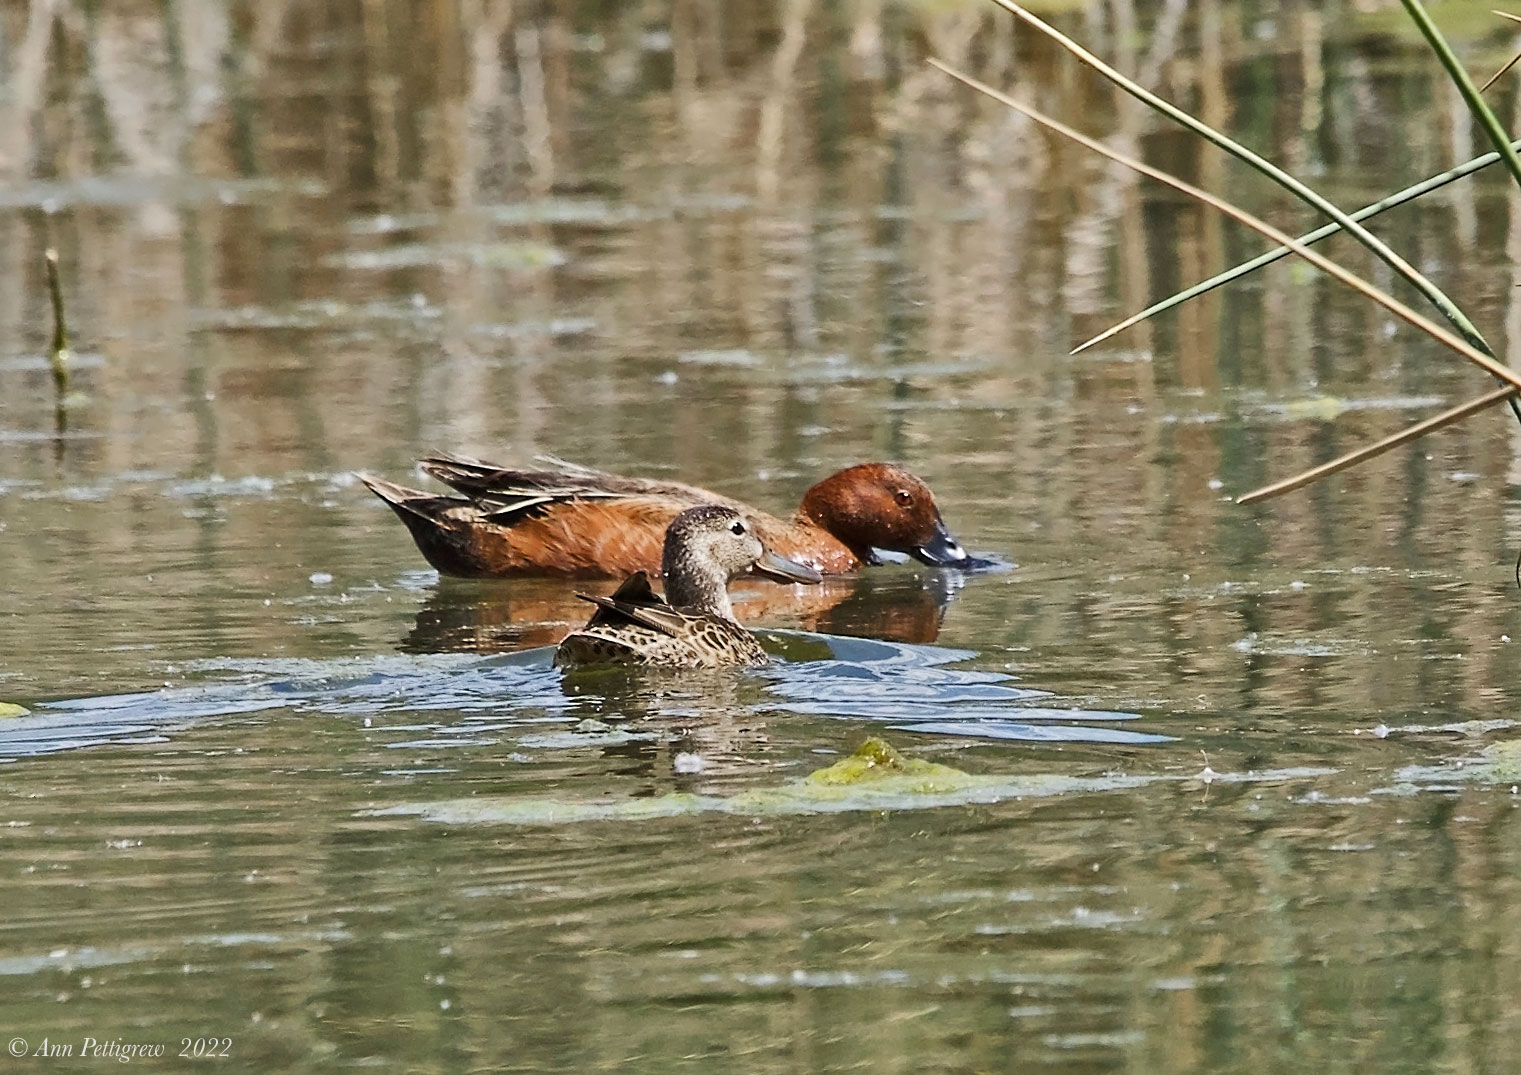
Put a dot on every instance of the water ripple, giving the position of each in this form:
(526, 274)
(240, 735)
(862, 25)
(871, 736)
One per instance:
(477, 702)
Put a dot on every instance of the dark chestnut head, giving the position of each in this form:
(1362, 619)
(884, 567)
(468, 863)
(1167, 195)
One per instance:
(882, 506)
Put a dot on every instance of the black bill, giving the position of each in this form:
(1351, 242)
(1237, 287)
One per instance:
(941, 549)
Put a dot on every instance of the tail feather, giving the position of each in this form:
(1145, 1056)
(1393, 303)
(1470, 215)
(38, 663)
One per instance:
(410, 502)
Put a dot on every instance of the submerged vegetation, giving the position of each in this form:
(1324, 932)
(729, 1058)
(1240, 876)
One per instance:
(875, 777)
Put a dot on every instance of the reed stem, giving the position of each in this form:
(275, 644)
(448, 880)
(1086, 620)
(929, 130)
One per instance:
(1471, 96)
(1394, 306)
(1410, 193)
(1404, 436)
(1263, 166)
(58, 355)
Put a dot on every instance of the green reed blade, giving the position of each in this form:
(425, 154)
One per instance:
(1426, 186)
(1504, 373)
(1482, 112)
(1383, 298)
(1265, 167)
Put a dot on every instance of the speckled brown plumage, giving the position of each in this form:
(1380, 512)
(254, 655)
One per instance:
(705, 548)
(691, 641)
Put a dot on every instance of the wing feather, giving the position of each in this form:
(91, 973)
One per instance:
(636, 602)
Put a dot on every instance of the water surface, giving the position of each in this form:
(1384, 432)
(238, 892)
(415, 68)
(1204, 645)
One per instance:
(1253, 801)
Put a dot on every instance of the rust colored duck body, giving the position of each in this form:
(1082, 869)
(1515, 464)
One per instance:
(574, 521)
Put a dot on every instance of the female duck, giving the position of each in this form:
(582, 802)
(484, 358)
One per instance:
(706, 547)
(585, 523)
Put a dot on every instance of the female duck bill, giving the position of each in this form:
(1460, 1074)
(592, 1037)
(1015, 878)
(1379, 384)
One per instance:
(781, 569)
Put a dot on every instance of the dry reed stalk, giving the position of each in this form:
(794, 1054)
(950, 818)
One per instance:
(1511, 378)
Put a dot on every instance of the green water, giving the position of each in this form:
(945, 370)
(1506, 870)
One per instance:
(1242, 791)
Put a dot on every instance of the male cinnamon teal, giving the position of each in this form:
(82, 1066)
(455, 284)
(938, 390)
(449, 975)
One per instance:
(706, 547)
(580, 522)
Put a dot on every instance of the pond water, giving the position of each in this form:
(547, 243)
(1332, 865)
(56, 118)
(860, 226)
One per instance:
(1236, 788)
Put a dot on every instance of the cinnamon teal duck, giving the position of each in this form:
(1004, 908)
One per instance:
(578, 522)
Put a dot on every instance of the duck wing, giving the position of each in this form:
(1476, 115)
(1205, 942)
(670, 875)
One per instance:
(505, 493)
(636, 602)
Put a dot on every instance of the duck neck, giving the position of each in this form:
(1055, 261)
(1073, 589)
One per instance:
(694, 587)
(829, 508)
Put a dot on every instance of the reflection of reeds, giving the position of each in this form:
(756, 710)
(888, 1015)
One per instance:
(915, 231)
(1393, 305)
(58, 354)
(1471, 346)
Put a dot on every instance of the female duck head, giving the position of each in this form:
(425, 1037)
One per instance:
(707, 547)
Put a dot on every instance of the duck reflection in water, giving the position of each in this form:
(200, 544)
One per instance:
(678, 732)
(501, 617)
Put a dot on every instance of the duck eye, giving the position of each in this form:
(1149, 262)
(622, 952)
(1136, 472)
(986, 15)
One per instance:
(904, 497)
(737, 527)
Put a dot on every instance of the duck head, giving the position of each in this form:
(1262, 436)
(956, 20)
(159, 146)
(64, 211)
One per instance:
(709, 546)
(882, 506)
